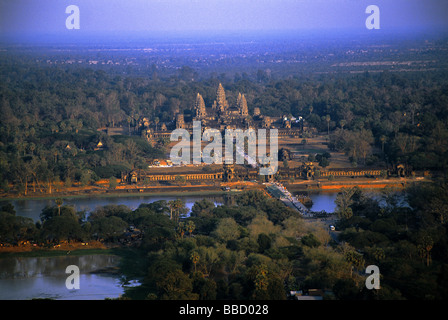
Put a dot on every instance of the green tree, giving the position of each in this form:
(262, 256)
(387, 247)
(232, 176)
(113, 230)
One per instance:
(176, 285)
(259, 275)
(194, 257)
(324, 162)
(112, 182)
(356, 259)
(227, 229)
(343, 202)
(425, 245)
(209, 260)
(310, 240)
(85, 178)
(63, 227)
(180, 180)
(181, 229)
(206, 288)
(346, 289)
(16, 228)
(59, 203)
(327, 119)
(190, 226)
(264, 242)
(108, 228)
(202, 208)
(8, 207)
(156, 121)
(383, 140)
(177, 209)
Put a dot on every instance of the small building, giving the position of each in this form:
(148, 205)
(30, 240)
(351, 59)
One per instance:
(99, 146)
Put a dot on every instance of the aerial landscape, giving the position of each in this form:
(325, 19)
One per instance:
(223, 151)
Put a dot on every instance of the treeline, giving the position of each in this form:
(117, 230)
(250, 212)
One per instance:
(405, 235)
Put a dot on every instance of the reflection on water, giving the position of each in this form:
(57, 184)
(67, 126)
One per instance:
(323, 201)
(32, 267)
(44, 277)
(32, 208)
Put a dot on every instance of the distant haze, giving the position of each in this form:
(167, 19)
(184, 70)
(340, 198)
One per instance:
(109, 17)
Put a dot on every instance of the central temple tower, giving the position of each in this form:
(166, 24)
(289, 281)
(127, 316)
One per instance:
(221, 102)
(199, 107)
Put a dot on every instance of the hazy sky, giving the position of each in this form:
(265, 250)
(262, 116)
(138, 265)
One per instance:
(48, 16)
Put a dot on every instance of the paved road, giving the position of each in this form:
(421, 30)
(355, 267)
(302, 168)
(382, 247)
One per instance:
(331, 221)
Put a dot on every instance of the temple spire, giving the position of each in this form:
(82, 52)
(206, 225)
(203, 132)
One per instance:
(243, 106)
(199, 106)
(238, 100)
(221, 99)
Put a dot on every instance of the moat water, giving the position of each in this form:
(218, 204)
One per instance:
(32, 208)
(45, 278)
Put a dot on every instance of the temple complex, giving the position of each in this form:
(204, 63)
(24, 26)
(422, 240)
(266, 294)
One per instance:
(222, 115)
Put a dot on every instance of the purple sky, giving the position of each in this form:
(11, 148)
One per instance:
(48, 16)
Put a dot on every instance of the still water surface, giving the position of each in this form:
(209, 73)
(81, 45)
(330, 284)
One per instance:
(44, 277)
(32, 208)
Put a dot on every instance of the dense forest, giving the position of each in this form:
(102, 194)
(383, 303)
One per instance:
(51, 115)
(256, 248)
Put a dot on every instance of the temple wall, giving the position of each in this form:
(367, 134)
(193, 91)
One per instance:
(350, 173)
(249, 174)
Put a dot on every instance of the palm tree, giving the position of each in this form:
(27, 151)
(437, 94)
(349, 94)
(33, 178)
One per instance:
(181, 229)
(194, 258)
(261, 281)
(171, 205)
(425, 247)
(343, 202)
(383, 139)
(378, 254)
(327, 118)
(59, 203)
(175, 207)
(190, 227)
(355, 259)
(129, 124)
(156, 121)
(178, 206)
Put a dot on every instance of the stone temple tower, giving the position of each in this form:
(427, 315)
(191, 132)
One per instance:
(221, 102)
(242, 105)
(199, 107)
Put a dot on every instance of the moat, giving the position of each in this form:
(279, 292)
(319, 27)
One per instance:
(32, 208)
(27, 278)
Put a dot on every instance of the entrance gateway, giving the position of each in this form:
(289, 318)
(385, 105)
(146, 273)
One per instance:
(212, 153)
